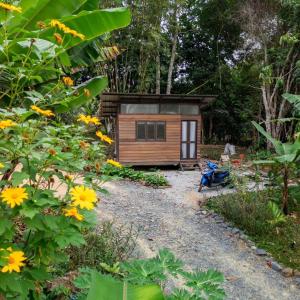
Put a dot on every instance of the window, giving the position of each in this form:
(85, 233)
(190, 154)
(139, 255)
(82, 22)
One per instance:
(189, 109)
(140, 108)
(163, 108)
(169, 109)
(150, 131)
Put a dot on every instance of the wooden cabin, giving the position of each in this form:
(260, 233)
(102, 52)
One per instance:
(155, 129)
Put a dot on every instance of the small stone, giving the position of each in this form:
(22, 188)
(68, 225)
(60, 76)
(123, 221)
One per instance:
(275, 266)
(244, 237)
(235, 231)
(287, 272)
(204, 212)
(261, 252)
(253, 248)
(297, 273)
(297, 281)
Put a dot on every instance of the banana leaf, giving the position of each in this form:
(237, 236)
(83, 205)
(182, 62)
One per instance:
(92, 24)
(277, 144)
(41, 10)
(108, 288)
(95, 86)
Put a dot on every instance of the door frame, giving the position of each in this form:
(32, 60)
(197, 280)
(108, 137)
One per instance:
(188, 139)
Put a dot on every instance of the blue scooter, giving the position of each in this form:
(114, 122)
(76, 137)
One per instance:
(213, 176)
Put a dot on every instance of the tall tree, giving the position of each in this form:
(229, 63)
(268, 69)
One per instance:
(272, 28)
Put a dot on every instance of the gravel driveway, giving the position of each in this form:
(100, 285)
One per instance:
(170, 218)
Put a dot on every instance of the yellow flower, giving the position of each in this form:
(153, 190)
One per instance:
(103, 137)
(66, 29)
(83, 197)
(41, 25)
(69, 177)
(114, 163)
(7, 123)
(14, 196)
(46, 113)
(89, 120)
(58, 38)
(10, 7)
(1, 165)
(73, 213)
(83, 145)
(14, 261)
(68, 81)
(87, 92)
(52, 152)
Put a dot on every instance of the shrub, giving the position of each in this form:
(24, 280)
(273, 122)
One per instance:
(146, 279)
(260, 216)
(151, 179)
(49, 174)
(107, 244)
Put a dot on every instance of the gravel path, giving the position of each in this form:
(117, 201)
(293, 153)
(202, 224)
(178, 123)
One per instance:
(170, 218)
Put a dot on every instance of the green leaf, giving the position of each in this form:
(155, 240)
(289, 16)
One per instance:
(6, 226)
(29, 212)
(95, 86)
(91, 24)
(293, 99)
(277, 144)
(19, 177)
(41, 10)
(107, 288)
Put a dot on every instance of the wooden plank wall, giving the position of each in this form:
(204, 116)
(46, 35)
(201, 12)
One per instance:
(152, 153)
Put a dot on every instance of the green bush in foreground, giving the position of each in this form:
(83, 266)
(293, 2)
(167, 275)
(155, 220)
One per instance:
(151, 179)
(147, 279)
(259, 215)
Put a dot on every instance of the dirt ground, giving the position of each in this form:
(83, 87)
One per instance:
(170, 218)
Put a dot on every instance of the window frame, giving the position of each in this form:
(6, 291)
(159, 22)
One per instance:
(146, 131)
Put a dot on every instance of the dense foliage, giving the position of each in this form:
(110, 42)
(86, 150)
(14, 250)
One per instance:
(49, 170)
(246, 52)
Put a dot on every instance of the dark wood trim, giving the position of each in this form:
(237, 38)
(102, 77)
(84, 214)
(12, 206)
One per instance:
(151, 140)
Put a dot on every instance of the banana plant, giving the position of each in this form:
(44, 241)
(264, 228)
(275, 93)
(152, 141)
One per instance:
(28, 37)
(286, 155)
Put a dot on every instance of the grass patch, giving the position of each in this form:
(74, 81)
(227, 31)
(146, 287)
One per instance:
(153, 179)
(252, 213)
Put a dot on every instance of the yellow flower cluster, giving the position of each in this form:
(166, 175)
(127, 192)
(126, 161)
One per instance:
(103, 137)
(114, 163)
(68, 81)
(66, 29)
(89, 120)
(10, 7)
(15, 260)
(46, 113)
(6, 123)
(14, 196)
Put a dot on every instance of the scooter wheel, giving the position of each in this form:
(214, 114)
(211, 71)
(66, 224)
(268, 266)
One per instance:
(200, 188)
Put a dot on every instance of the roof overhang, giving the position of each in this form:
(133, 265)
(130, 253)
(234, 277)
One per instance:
(110, 101)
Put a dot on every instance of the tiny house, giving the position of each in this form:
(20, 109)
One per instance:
(155, 129)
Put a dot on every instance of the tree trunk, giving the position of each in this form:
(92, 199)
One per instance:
(172, 60)
(158, 73)
(210, 131)
(285, 193)
(173, 52)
